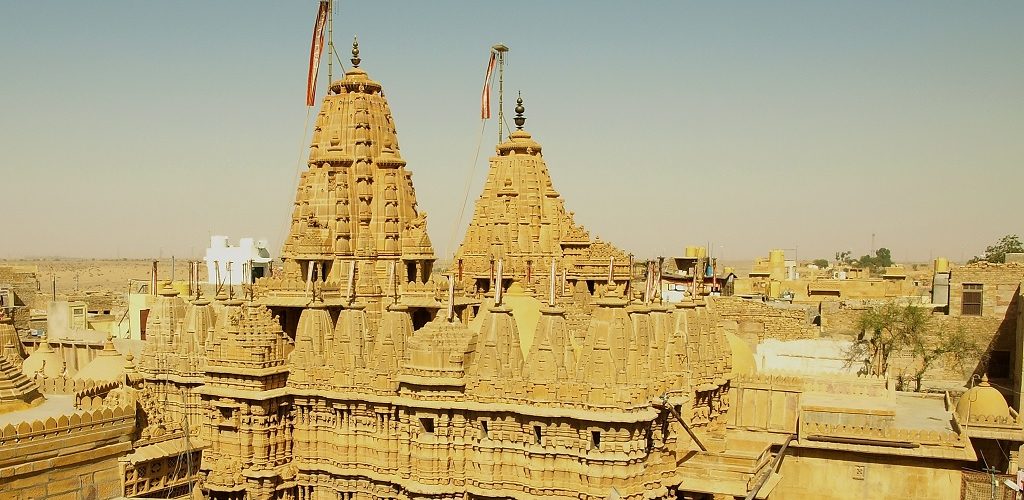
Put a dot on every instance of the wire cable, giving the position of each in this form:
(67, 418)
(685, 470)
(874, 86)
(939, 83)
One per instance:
(465, 194)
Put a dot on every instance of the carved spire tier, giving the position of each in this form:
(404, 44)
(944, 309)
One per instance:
(355, 207)
(522, 219)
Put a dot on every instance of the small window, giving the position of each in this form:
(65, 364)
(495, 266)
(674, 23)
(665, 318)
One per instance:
(972, 299)
(428, 425)
(485, 430)
(537, 435)
(595, 440)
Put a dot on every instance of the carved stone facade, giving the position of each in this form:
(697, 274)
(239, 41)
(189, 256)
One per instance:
(324, 385)
(521, 219)
(356, 232)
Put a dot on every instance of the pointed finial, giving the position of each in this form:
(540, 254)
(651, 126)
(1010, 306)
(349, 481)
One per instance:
(520, 119)
(355, 52)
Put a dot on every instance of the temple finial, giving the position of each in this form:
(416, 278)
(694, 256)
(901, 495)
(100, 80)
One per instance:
(520, 119)
(355, 52)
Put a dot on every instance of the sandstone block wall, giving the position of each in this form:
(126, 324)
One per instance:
(67, 456)
(759, 320)
(991, 334)
(1000, 286)
(856, 476)
(98, 479)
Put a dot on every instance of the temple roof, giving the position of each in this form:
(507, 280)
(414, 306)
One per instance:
(356, 198)
(108, 365)
(520, 217)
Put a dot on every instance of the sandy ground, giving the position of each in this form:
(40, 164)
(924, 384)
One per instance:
(110, 275)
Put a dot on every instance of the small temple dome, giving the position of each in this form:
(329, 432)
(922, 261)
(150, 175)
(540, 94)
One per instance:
(108, 365)
(743, 361)
(45, 360)
(982, 402)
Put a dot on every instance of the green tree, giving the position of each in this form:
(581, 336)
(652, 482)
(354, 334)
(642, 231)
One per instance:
(892, 328)
(997, 253)
(821, 263)
(844, 257)
(956, 348)
(881, 259)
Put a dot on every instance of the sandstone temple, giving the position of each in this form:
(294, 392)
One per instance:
(536, 366)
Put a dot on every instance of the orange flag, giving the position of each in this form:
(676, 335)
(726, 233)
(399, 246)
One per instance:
(485, 98)
(315, 50)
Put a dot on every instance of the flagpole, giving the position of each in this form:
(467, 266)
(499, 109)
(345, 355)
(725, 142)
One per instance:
(501, 50)
(330, 44)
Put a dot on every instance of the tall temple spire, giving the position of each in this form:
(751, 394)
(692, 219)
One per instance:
(355, 206)
(522, 219)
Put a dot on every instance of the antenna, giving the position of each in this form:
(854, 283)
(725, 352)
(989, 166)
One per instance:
(501, 49)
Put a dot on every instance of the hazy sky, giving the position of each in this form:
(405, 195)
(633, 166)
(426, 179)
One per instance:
(135, 128)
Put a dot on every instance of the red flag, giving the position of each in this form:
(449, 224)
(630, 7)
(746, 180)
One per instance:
(485, 99)
(315, 49)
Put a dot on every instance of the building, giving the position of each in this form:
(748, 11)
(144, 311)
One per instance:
(236, 265)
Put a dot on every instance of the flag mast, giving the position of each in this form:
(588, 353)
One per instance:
(500, 49)
(330, 44)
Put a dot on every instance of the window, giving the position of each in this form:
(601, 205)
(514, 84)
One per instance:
(595, 440)
(428, 425)
(537, 434)
(972, 299)
(485, 431)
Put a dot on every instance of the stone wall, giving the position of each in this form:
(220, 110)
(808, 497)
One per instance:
(841, 318)
(756, 320)
(68, 457)
(807, 473)
(994, 333)
(22, 281)
(1000, 285)
(771, 402)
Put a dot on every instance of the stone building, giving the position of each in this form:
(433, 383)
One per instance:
(327, 387)
(60, 437)
(984, 300)
(19, 293)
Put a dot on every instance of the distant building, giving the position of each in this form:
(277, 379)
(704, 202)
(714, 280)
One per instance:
(236, 265)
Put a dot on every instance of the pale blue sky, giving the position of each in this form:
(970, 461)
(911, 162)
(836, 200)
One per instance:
(138, 128)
